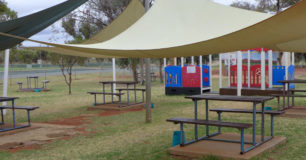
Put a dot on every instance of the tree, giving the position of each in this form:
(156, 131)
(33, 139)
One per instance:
(130, 63)
(5, 12)
(66, 64)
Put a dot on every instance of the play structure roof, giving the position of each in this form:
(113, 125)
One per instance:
(174, 28)
(29, 25)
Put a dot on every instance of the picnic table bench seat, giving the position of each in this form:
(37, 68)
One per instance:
(131, 89)
(245, 111)
(210, 123)
(27, 108)
(30, 108)
(106, 93)
(240, 126)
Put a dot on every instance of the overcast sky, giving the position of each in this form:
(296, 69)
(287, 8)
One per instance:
(26, 7)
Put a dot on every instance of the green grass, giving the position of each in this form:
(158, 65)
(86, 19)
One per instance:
(127, 136)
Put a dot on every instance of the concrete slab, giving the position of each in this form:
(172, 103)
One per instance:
(295, 112)
(225, 150)
(116, 107)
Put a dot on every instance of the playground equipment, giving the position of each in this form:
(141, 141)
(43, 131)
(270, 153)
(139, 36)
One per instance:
(186, 79)
(256, 65)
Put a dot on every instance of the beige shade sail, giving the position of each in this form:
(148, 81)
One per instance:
(174, 28)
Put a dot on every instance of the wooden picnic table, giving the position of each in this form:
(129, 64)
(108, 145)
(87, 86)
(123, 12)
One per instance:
(288, 94)
(252, 99)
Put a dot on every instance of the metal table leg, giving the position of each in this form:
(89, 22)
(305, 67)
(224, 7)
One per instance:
(182, 131)
(288, 93)
(284, 93)
(2, 118)
(195, 117)
(263, 122)
(112, 86)
(207, 118)
(128, 95)
(13, 110)
(254, 124)
(135, 93)
(103, 85)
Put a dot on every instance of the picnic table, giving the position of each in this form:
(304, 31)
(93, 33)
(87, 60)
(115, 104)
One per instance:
(241, 126)
(29, 81)
(13, 108)
(127, 89)
(290, 92)
(153, 76)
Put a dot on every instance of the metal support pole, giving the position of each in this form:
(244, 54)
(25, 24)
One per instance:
(228, 71)
(175, 61)
(270, 68)
(148, 80)
(201, 74)
(210, 72)
(182, 62)
(220, 70)
(5, 76)
(263, 70)
(249, 68)
(192, 60)
(239, 73)
(114, 76)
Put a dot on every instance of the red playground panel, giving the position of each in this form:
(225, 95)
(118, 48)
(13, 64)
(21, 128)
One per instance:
(255, 76)
(191, 76)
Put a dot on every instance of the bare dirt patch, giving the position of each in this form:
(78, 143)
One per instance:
(42, 133)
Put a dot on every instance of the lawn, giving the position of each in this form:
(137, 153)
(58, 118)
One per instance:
(127, 136)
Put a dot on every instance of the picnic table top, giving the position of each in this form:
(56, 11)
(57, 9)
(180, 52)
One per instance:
(293, 81)
(3, 99)
(32, 76)
(118, 82)
(230, 98)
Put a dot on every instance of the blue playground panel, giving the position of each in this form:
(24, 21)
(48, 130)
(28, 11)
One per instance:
(205, 76)
(291, 70)
(173, 76)
(278, 74)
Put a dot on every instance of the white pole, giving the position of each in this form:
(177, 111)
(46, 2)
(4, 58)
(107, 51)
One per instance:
(263, 70)
(239, 73)
(249, 68)
(201, 75)
(220, 70)
(286, 67)
(228, 70)
(270, 68)
(5, 76)
(182, 62)
(114, 74)
(292, 59)
(192, 60)
(175, 62)
(210, 72)
(165, 63)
